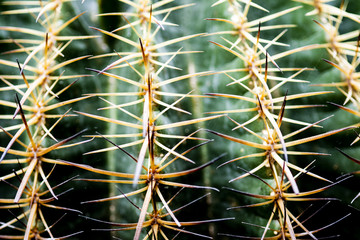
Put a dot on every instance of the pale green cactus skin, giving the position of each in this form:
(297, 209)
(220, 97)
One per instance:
(212, 58)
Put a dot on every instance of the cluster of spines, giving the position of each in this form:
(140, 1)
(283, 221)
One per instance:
(145, 64)
(343, 49)
(154, 157)
(273, 143)
(35, 92)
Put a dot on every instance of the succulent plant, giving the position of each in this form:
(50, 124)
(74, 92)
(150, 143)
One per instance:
(179, 119)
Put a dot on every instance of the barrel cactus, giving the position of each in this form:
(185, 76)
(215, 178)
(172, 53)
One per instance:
(179, 119)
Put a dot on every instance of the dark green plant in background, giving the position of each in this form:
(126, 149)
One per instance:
(176, 119)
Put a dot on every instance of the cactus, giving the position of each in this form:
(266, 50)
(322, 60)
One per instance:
(180, 119)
